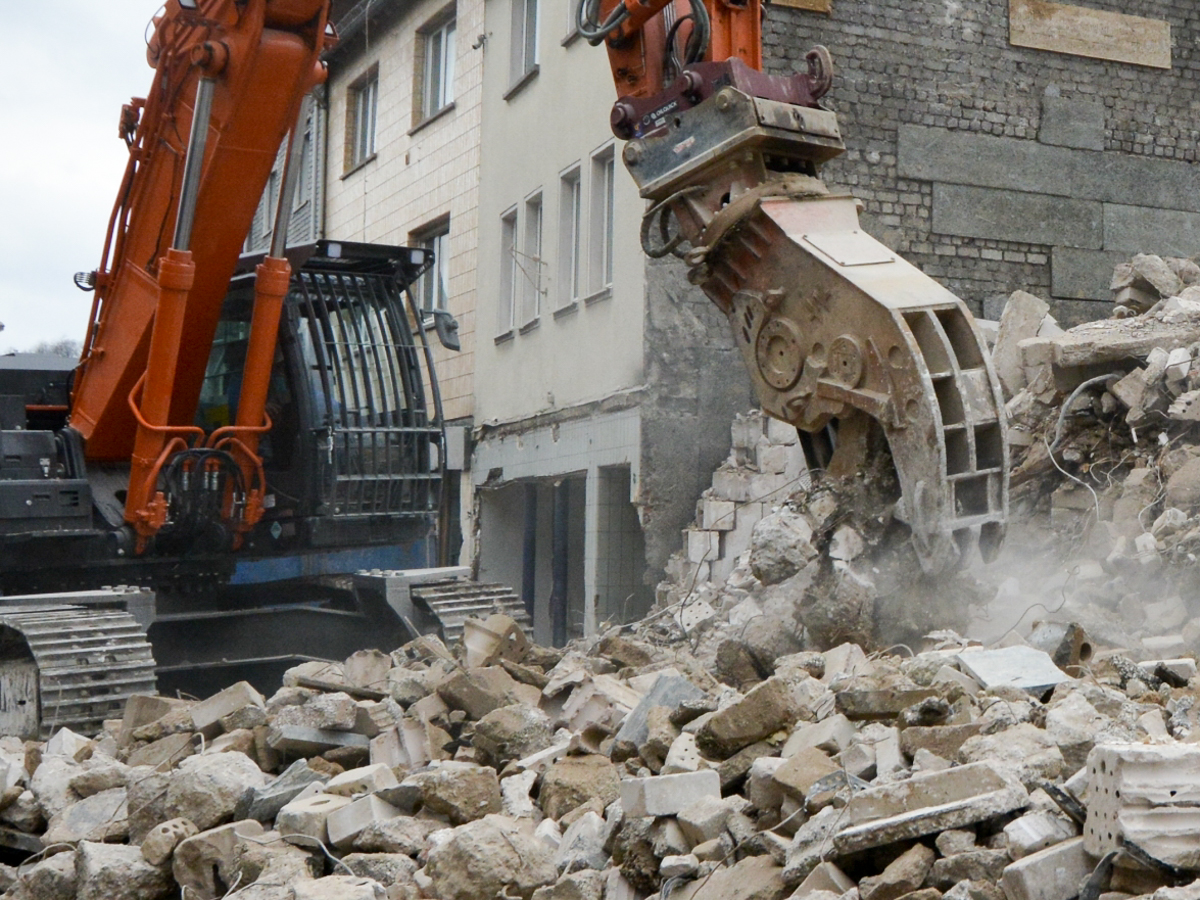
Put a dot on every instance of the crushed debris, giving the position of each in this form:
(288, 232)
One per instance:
(804, 714)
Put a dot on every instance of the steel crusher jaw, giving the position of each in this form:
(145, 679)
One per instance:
(835, 327)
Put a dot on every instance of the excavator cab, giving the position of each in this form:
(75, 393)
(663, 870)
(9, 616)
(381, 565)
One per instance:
(354, 458)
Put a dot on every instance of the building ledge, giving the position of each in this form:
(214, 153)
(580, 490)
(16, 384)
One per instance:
(362, 164)
(431, 118)
(521, 82)
(530, 325)
(568, 309)
(603, 294)
(504, 337)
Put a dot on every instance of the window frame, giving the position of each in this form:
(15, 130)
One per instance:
(434, 236)
(601, 221)
(570, 235)
(530, 260)
(523, 43)
(440, 34)
(508, 274)
(362, 96)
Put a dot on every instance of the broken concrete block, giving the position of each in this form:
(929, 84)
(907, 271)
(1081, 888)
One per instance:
(162, 840)
(979, 865)
(761, 788)
(367, 669)
(478, 691)
(926, 803)
(166, 752)
(780, 546)
(825, 877)
(667, 795)
(582, 845)
(1051, 874)
(1036, 831)
(800, 772)
(1146, 794)
(206, 789)
(831, 735)
(461, 791)
(1024, 750)
(118, 872)
(600, 700)
(753, 878)
(1023, 667)
(487, 642)
(574, 780)
(903, 875)
(701, 546)
(684, 756)
(207, 714)
(510, 733)
(771, 706)
(717, 515)
(1021, 319)
(298, 740)
(363, 780)
(65, 742)
(102, 817)
(704, 819)
(199, 860)
(264, 803)
(489, 857)
(347, 822)
(308, 815)
(338, 887)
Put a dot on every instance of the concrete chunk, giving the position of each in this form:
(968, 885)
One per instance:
(347, 822)
(1148, 794)
(926, 803)
(667, 795)
(1023, 667)
(207, 714)
(1051, 874)
(1036, 831)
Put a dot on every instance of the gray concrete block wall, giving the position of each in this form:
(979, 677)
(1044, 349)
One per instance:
(994, 167)
(695, 384)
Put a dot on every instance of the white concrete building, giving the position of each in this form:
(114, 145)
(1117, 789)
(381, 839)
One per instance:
(596, 399)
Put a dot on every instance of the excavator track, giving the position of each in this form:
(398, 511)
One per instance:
(78, 666)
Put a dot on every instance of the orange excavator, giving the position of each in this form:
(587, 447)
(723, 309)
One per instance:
(842, 338)
(235, 421)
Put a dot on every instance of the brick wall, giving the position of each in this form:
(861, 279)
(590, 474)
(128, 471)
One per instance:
(995, 167)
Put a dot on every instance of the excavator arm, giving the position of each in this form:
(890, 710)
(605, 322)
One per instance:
(835, 329)
(230, 79)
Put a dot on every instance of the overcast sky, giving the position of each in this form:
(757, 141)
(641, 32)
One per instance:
(67, 67)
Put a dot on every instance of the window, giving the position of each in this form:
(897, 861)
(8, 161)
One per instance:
(569, 208)
(437, 73)
(507, 306)
(524, 39)
(600, 263)
(360, 112)
(529, 263)
(433, 290)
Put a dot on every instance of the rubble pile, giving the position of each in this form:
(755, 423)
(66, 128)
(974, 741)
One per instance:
(624, 768)
(786, 723)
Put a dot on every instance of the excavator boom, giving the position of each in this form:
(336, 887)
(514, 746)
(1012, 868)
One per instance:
(230, 78)
(837, 332)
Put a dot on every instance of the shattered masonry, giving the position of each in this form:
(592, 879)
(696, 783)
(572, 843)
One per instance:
(798, 717)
